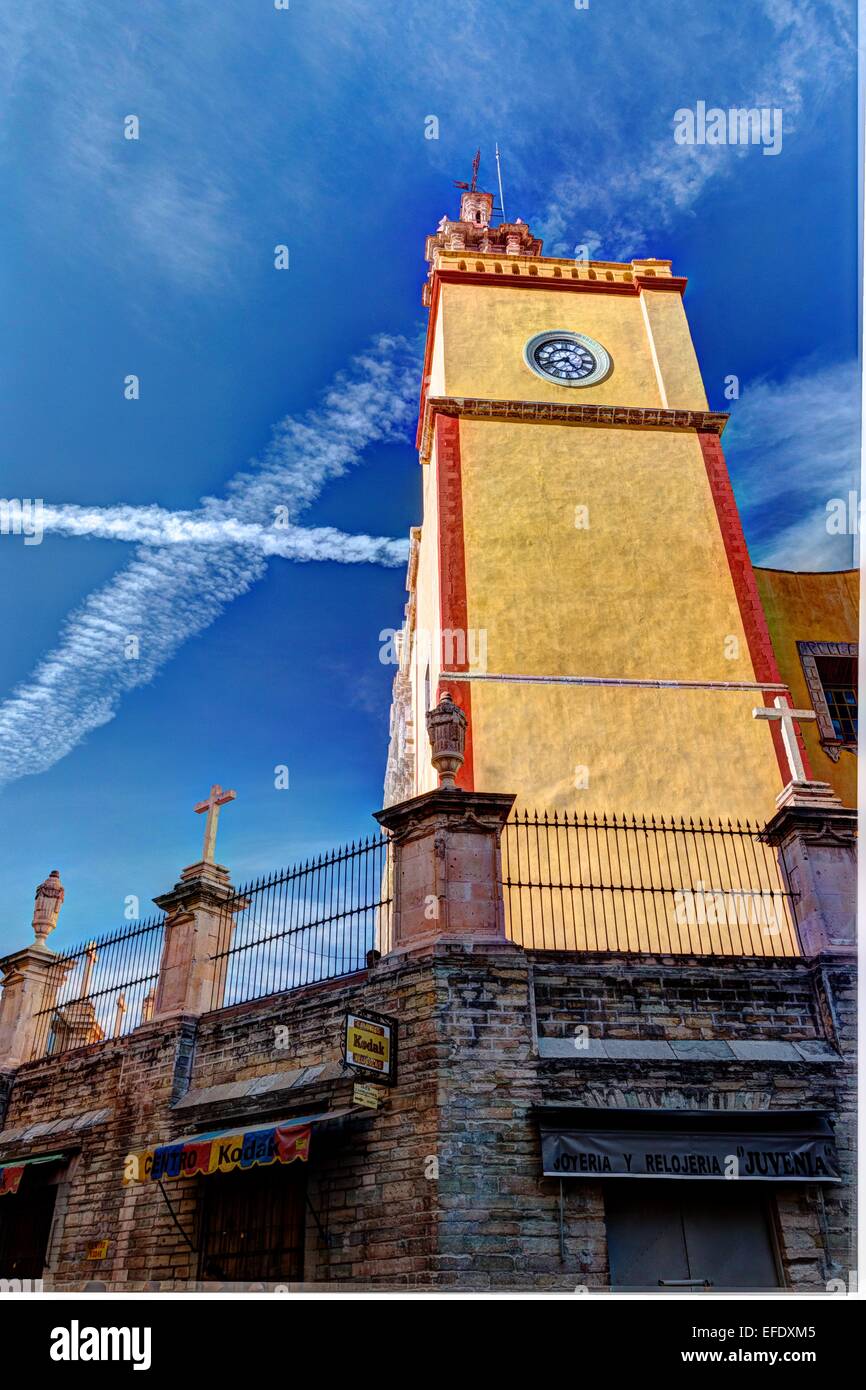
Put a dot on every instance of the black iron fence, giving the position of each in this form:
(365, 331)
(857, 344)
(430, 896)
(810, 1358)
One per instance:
(100, 990)
(580, 883)
(570, 883)
(309, 923)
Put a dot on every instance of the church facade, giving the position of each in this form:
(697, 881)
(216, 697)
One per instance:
(581, 1016)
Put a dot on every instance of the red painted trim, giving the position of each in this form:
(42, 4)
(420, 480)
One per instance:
(524, 281)
(662, 282)
(452, 574)
(751, 610)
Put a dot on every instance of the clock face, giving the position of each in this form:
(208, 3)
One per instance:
(566, 358)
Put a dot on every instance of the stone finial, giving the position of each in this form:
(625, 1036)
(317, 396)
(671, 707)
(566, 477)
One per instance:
(446, 728)
(49, 899)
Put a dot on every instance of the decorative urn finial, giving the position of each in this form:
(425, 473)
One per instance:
(49, 898)
(446, 729)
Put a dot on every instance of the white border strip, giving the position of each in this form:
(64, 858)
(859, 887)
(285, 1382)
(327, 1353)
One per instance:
(614, 680)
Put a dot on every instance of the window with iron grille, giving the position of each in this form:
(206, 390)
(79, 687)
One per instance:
(842, 705)
(251, 1225)
(830, 669)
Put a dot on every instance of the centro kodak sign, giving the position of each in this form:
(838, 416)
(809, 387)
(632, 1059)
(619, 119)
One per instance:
(370, 1045)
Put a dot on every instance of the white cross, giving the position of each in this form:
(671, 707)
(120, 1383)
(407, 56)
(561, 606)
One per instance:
(786, 716)
(212, 805)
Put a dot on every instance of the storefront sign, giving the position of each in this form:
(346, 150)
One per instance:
(639, 1153)
(220, 1153)
(363, 1094)
(370, 1045)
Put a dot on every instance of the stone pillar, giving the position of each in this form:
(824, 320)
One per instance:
(446, 867)
(31, 979)
(815, 838)
(190, 980)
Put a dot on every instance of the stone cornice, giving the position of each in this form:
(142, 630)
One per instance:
(481, 812)
(565, 413)
(813, 811)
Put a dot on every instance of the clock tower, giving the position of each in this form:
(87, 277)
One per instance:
(580, 581)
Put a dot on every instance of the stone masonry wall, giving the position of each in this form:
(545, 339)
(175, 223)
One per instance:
(443, 1186)
(500, 1217)
(367, 1178)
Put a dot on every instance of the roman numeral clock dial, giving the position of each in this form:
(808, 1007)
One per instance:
(566, 358)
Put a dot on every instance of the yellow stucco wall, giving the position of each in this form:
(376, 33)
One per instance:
(644, 592)
(671, 342)
(484, 330)
(437, 361)
(812, 608)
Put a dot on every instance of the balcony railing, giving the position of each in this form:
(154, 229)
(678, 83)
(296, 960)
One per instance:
(580, 883)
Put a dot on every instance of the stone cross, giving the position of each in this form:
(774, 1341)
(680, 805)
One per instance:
(90, 957)
(120, 1010)
(212, 805)
(787, 716)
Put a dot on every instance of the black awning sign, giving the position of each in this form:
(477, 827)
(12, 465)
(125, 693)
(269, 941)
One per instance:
(657, 1154)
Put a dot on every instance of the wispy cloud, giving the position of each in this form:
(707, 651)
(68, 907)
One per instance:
(643, 185)
(195, 564)
(169, 203)
(788, 443)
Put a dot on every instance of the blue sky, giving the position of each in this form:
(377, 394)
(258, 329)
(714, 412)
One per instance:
(260, 387)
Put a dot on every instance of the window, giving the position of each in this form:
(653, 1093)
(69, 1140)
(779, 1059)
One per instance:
(251, 1225)
(830, 669)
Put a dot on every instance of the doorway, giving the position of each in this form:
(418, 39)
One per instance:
(25, 1222)
(678, 1236)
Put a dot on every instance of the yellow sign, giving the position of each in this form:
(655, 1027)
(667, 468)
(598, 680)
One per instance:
(369, 1044)
(362, 1094)
(98, 1250)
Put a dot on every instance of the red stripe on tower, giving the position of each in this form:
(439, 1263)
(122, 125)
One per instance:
(452, 577)
(749, 600)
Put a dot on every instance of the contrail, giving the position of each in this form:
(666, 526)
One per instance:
(156, 526)
(194, 564)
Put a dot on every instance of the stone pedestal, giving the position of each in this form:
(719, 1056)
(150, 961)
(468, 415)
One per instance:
(446, 866)
(815, 836)
(31, 979)
(188, 975)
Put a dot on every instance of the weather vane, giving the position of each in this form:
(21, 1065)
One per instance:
(473, 186)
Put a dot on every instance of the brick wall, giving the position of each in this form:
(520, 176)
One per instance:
(676, 997)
